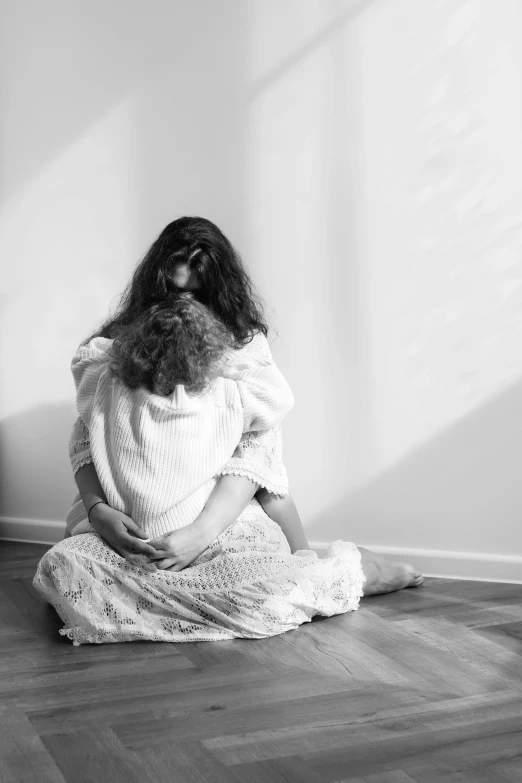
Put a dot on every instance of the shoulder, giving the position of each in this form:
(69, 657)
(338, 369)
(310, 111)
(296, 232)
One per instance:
(96, 350)
(97, 347)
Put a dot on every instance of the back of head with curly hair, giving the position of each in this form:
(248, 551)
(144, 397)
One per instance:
(179, 341)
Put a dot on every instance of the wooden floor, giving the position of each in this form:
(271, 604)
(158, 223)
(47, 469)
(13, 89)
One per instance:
(423, 685)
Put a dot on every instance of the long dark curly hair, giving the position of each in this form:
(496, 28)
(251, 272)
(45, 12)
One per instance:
(177, 342)
(225, 285)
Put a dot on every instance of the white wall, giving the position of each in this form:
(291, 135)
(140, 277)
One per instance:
(365, 159)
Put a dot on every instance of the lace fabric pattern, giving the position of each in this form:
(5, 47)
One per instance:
(79, 446)
(259, 457)
(247, 584)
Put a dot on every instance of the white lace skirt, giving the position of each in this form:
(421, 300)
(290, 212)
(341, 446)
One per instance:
(245, 585)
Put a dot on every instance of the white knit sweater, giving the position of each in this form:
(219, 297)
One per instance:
(157, 458)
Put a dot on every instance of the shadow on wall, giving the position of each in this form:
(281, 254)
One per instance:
(35, 473)
(465, 479)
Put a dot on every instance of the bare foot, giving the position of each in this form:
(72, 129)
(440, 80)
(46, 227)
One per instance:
(386, 576)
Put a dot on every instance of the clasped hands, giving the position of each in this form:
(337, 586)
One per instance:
(172, 551)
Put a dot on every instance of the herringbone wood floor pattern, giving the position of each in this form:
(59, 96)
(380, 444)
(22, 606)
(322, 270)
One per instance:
(422, 685)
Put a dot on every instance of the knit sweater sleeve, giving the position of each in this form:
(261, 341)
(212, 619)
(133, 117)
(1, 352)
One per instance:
(259, 454)
(265, 395)
(88, 364)
(85, 367)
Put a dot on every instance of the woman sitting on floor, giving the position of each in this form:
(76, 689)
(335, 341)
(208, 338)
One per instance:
(165, 392)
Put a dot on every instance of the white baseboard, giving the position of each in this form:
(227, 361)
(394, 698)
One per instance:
(431, 562)
(450, 565)
(32, 531)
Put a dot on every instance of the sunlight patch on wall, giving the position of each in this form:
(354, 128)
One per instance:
(81, 200)
(282, 35)
(299, 173)
(442, 122)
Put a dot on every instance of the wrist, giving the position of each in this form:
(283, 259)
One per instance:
(205, 529)
(93, 506)
(96, 512)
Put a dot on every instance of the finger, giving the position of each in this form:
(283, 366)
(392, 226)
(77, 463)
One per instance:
(134, 528)
(159, 554)
(166, 563)
(176, 567)
(136, 546)
(157, 543)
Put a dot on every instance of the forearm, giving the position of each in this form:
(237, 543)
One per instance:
(89, 486)
(229, 499)
(284, 512)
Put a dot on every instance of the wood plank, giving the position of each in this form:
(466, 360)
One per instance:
(291, 769)
(498, 666)
(20, 551)
(178, 695)
(84, 680)
(473, 746)
(393, 776)
(422, 656)
(320, 710)
(186, 762)
(490, 773)
(23, 756)
(96, 755)
(472, 715)
(34, 611)
(506, 635)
